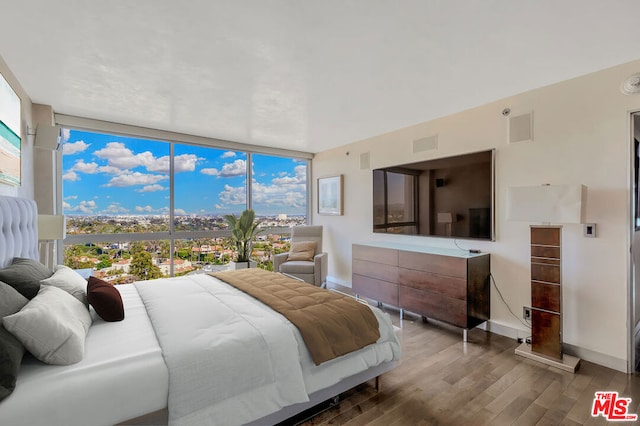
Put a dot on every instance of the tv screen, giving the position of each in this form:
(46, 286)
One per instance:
(446, 197)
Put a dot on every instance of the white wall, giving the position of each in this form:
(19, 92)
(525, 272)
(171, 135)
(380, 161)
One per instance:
(581, 136)
(27, 188)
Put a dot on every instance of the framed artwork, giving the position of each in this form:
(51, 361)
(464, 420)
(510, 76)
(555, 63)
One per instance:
(10, 143)
(330, 197)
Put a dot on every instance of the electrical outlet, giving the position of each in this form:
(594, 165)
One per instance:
(526, 312)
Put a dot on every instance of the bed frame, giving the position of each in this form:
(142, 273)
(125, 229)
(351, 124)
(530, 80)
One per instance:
(19, 238)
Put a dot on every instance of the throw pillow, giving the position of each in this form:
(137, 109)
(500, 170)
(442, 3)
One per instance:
(70, 281)
(10, 300)
(11, 350)
(24, 275)
(302, 250)
(52, 326)
(105, 299)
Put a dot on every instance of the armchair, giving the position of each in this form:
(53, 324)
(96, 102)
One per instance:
(305, 260)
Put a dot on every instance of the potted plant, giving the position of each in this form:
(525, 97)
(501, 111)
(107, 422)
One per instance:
(243, 230)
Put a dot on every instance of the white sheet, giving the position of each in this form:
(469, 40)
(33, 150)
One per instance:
(122, 376)
(231, 360)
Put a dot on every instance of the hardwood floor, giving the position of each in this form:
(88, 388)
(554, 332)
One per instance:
(443, 381)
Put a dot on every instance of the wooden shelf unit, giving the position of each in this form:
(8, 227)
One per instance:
(452, 286)
(546, 291)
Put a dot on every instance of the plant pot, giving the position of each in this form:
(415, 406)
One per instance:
(243, 265)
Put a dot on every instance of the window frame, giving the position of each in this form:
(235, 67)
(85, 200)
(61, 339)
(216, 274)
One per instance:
(172, 138)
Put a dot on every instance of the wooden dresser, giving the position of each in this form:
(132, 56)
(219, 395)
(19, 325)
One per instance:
(448, 285)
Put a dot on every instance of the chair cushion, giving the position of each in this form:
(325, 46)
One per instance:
(297, 267)
(302, 250)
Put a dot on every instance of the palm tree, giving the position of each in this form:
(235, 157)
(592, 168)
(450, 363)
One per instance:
(243, 231)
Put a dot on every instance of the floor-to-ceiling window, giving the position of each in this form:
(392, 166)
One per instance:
(139, 208)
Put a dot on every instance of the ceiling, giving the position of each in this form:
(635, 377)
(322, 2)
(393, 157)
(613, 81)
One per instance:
(301, 74)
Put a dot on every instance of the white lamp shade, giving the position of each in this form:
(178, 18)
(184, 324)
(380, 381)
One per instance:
(51, 227)
(446, 217)
(547, 203)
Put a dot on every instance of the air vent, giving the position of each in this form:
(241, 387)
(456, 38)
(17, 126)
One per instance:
(521, 128)
(425, 144)
(364, 161)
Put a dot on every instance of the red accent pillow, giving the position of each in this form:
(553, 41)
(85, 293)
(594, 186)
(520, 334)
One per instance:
(105, 299)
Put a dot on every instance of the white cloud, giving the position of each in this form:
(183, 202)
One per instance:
(181, 163)
(120, 158)
(237, 168)
(180, 212)
(116, 208)
(71, 197)
(135, 178)
(71, 176)
(118, 155)
(111, 170)
(66, 133)
(285, 190)
(184, 163)
(73, 147)
(228, 154)
(210, 171)
(86, 207)
(81, 166)
(65, 205)
(146, 209)
(153, 188)
(233, 195)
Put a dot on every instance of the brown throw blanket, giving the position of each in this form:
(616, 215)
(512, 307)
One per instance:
(331, 324)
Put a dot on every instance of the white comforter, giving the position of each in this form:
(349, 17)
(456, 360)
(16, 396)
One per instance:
(229, 361)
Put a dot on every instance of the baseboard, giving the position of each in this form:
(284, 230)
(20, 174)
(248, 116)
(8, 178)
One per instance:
(338, 281)
(576, 351)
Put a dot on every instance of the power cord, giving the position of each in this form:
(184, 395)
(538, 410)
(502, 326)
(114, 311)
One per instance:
(456, 243)
(526, 324)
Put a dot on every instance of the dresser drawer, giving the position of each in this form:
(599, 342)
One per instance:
(379, 290)
(545, 273)
(448, 286)
(545, 296)
(433, 305)
(442, 265)
(375, 254)
(378, 271)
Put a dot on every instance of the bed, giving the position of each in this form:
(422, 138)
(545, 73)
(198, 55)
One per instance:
(190, 350)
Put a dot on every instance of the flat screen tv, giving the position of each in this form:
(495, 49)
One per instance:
(449, 197)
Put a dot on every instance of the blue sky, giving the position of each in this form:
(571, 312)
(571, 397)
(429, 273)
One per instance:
(108, 174)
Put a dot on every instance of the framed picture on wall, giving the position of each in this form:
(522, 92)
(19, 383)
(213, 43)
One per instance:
(330, 195)
(10, 143)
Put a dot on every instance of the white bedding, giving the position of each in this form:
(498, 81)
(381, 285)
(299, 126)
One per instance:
(124, 374)
(229, 360)
(121, 376)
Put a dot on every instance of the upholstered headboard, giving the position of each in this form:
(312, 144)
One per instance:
(18, 229)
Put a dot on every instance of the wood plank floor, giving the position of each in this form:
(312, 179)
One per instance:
(443, 381)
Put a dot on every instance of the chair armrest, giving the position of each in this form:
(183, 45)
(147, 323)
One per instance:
(278, 260)
(320, 269)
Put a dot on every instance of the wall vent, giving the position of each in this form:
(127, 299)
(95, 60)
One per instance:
(364, 161)
(425, 144)
(521, 128)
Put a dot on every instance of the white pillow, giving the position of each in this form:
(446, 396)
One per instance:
(70, 281)
(52, 326)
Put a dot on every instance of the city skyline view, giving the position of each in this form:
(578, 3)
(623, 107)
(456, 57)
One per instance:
(112, 175)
